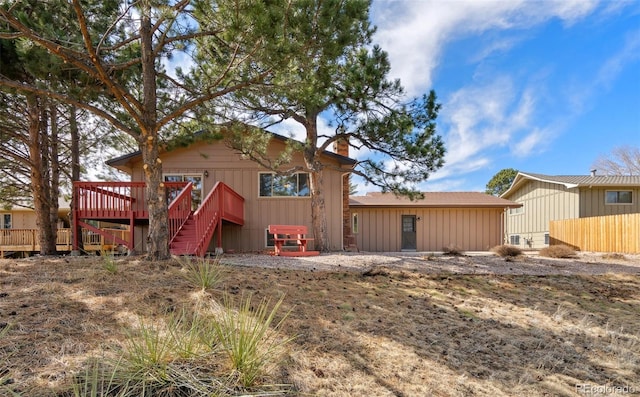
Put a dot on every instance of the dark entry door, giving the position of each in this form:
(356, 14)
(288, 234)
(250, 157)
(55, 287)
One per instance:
(409, 232)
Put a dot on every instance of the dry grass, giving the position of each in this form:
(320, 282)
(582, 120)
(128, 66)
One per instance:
(558, 251)
(386, 332)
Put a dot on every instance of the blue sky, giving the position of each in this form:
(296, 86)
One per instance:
(540, 86)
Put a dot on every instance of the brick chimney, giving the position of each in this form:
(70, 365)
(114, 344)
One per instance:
(341, 147)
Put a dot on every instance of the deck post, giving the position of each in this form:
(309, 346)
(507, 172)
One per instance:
(132, 220)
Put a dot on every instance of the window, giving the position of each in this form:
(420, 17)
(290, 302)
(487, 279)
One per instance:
(546, 238)
(514, 239)
(355, 224)
(274, 185)
(516, 211)
(6, 221)
(618, 197)
(196, 191)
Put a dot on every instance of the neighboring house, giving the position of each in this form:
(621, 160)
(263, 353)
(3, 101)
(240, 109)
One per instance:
(467, 221)
(23, 217)
(554, 197)
(248, 198)
(19, 231)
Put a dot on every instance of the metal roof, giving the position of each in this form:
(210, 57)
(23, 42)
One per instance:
(573, 181)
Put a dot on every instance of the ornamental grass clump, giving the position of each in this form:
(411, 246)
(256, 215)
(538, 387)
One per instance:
(247, 337)
(203, 273)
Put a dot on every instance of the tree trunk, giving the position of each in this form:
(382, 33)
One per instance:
(54, 176)
(75, 170)
(158, 238)
(39, 185)
(316, 182)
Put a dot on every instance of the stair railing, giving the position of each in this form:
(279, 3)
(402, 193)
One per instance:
(179, 210)
(207, 218)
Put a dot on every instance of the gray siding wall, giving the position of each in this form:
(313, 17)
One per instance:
(469, 229)
(542, 202)
(222, 164)
(592, 202)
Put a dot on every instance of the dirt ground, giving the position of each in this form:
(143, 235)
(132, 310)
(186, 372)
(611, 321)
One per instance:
(398, 324)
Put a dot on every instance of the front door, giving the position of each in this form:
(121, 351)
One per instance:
(409, 232)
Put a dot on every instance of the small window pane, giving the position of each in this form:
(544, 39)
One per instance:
(355, 224)
(546, 238)
(612, 197)
(266, 181)
(303, 184)
(624, 197)
(6, 221)
(515, 239)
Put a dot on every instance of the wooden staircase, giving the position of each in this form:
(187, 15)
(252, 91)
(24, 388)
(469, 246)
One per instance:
(186, 241)
(192, 231)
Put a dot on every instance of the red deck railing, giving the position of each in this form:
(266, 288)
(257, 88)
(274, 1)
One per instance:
(116, 200)
(179, 211)
(127, 201)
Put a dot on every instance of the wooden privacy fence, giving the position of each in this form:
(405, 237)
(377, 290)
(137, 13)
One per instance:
(611, 233)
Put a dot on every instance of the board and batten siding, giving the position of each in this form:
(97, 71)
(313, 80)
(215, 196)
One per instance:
(542, 202)
(592, 201)
(242, 175)
(468, 229)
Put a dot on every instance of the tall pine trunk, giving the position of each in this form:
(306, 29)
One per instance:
(158, 238)
(39, 184)
(316, 182)
(54, 176)
(75, 169)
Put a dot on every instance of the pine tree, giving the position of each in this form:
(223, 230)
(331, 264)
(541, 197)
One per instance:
(121, 50)
(325, 66)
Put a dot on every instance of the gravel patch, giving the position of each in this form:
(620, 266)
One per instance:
(585, 263)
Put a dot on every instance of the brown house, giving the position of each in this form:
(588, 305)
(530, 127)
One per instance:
(468, 221)
(248, 198)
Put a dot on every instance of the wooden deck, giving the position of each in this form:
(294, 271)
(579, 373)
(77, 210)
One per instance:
(125, 203)
(27, 240)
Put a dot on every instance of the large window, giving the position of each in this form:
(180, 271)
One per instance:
(274, 185)
(5, 221)
(618, 197)
(196, 191)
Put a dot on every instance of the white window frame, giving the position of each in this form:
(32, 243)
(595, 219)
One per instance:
(2, 222)
(547, 239)
(606, 196)
(515, 237)
(297, 195)
(355, 223)
(516, 211)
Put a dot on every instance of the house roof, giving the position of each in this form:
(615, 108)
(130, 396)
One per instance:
(432, 199)
(573, 181)
(124, 159)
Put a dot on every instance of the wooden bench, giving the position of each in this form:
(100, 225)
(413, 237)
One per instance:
(291, 233)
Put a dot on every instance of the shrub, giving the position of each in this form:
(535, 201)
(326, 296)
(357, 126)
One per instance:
(558, 251)
(507, 251)
(452, 250)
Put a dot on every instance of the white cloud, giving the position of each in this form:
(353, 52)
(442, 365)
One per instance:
(414, 33)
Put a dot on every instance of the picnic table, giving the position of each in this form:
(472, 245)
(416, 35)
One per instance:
(283, 234)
